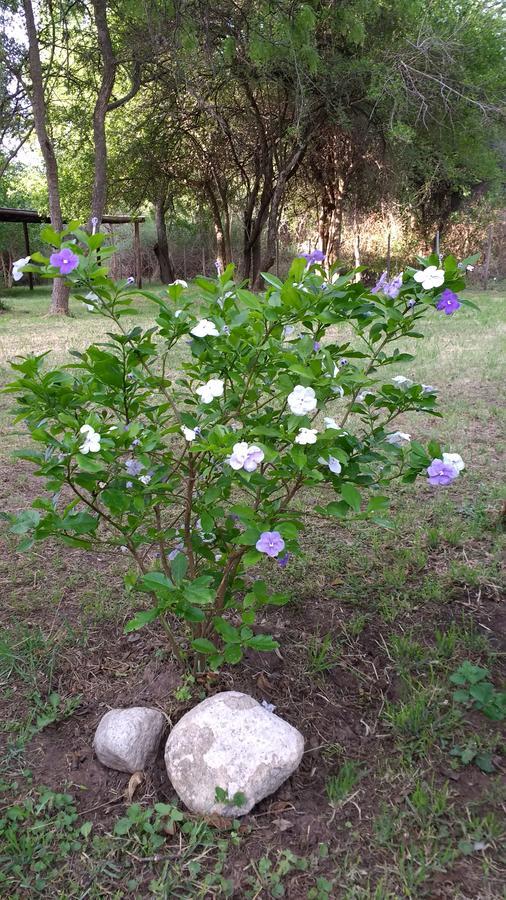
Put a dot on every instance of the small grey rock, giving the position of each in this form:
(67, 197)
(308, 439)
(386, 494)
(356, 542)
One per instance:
(128, 739)
(231, 742)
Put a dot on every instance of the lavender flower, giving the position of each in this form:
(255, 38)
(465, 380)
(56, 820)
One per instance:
(448, 302)
(245, 456)
(271, 543)
(283, 560)
(64, 260)
(130, 280)
(440, 472)
(316, 346)
(315, 256)
(390, 288)
(411, 303)
(133, 466)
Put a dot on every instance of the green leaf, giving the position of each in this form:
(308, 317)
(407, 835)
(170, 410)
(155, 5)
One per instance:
(233, 654)
(141, 618)
(251, 558)
(24, 521)
(50, 236)
(226, 630)
(157, 582)
(178, 568)
(337, 508)
(202, 645)
(262, 642)
(87, 464)
(351, 496)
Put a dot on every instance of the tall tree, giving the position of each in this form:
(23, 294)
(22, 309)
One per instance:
(60, 293)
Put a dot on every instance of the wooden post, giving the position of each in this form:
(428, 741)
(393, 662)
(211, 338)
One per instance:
(488, 254)
(27, 251)
(137, 255)
(388, 253)
(437, 246)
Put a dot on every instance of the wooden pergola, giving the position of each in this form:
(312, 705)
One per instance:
(27, 217)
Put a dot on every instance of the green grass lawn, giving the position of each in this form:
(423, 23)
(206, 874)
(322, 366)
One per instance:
(400, 793)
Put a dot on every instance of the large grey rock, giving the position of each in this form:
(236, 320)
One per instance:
(230, 742)
(128, 739)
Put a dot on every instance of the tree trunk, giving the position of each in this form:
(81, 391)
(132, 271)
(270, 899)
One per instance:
(255, 262)
(60, 294)
(276, 202)
(99, 195)
(356, 243)
(59, 298)
(167, 273)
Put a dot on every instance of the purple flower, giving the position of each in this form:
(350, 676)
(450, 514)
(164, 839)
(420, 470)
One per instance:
(440, 472)
(283, 560)
(315, 256)
(389, 288)
(64, 260)
(129, 484)
(270, 542)
(449, 302)
(133, 466)
(245, 456)
(135, 443)
(411, 303)
(218, 266)
(380, 284)
(130, 280)
(316, 346)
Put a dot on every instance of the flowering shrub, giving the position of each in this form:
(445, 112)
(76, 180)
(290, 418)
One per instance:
(193, 468)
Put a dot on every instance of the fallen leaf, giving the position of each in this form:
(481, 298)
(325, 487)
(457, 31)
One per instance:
(280, 806)
(218, 821)
(264, 684)
(282, 824)
(136, 779)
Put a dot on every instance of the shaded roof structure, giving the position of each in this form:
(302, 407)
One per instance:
(27, 217)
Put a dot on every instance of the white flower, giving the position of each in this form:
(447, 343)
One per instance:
(455, 460)
(91, 440)
(302, 400)
(205, 328)
(268, 706)
(429, 389)
(89, 307)
(363, 394)
(211, 389)
(402, 382)
(179, 281)
(329, 422)
(337, 389)
(189, 433)
(333, 464)
(399, 438)
(91, 296)
(145, 479)
(429, 278)
(306, 436)
(17, 266)
(177, 313)
(245, 456)
(469, 268)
